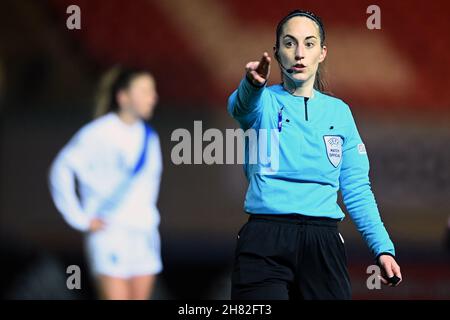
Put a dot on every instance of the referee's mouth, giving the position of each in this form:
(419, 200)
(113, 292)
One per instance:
(299, 67)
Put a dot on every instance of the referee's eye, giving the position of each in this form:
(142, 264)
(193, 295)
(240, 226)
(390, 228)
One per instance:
(289, 44)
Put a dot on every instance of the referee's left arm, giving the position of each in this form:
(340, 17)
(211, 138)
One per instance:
(361, 204)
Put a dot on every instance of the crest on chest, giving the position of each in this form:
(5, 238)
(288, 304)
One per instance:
(333, 146)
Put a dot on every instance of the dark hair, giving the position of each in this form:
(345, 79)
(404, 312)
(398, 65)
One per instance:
(114, 80)
(319, 83)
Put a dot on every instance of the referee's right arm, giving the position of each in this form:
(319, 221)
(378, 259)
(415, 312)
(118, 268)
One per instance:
(244, 104)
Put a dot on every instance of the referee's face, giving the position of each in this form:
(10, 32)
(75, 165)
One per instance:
(300, 48)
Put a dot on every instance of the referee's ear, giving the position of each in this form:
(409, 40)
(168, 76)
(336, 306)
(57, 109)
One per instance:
(323, 53)
(275, 53)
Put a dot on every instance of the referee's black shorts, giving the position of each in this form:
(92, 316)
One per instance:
(290, 257)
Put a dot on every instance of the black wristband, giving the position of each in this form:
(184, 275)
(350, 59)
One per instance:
(377, 259)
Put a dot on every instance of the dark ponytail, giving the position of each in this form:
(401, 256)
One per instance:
(114, 80)
(319, 82)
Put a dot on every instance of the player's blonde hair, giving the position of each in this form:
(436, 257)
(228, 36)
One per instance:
(115, 79)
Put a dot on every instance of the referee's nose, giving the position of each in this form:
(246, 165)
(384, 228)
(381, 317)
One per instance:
(300, 52)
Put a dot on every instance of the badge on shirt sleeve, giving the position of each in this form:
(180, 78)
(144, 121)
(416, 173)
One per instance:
(334, 149)
(362, 148)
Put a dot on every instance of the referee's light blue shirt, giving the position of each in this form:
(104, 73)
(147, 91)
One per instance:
(320, 152)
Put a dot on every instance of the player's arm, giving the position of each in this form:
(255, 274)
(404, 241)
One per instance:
(61, 181)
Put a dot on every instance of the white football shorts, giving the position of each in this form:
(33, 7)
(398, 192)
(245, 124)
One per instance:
(124, 253)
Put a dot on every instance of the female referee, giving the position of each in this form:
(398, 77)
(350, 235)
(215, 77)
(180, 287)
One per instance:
(116, 160)
(290, 248)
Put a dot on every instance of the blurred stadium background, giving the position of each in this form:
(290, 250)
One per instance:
(395, 79)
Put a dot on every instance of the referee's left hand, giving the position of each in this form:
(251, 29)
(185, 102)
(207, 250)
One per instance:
(389, 268)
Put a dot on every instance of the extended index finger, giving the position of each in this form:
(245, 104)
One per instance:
(263, 64)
